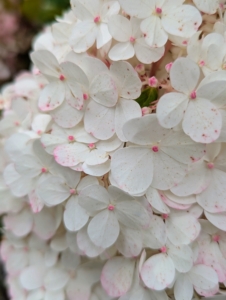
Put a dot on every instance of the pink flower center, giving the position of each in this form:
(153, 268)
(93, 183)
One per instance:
(155, 148)
(163, 249)
(17, 123)
(158, 10)
(72, 191)
(193, 95)
(39, 132)
(202, 63)
(92, 146)
(216, 238)
(132, 39)
(71, 138)
(165, 216)
(153, 81)
(210, 165)
(96, 19)
(44, 170)
(62, 77)
(85, 96)
(111, 207)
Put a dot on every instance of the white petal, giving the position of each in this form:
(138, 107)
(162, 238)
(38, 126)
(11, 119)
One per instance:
(103, 35)
(32, 277)
(202, 121)
(139, 9)
(28, 165)
(103, 90)
(145, 53)
(121, 51)
(66, 116)
(83, 36)
(158, 272)
(94, 198)
(206, 6)
(75, 217)
(53, 191)
(125, 111)
(184, 75)
(117, 276)
(129, 84)
(154, 236)
(171, 108)
(132, 169)
(103, 229)
(52, 96)
(154, 198)
(86, 181)
(96, 157)
(97, 170)
(183, 288)
(182, 257)
(203, 277)
(155, 35)
(120, 28)
(55, 279)
(218, 220)
(70, 155)
(99, 121)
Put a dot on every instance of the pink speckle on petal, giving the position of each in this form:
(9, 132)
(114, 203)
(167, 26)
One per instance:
(43, 170)
(111, 207)
(193, 95)
(96, 19)
(158, 10)
(216, 238)
(163, 249)
(72, 191)
(210, 165)
(71, 138)
(62, 77)
(155, 148)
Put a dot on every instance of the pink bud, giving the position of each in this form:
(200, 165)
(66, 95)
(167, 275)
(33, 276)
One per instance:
(71, 138)
(96, 19)
(140, 69)
(210, 165)
(155, 148)
(111, 207)
(146, 111)
(62, 77)
(193, 95)
(153, 81)
(168, 67)
(158, 10)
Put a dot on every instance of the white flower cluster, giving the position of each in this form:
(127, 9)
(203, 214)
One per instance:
(113, 151)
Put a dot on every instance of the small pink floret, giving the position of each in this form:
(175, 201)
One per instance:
(210, 165)
(163, 249)
(168, 67)
(193, 95)
(155, 148)
(158, 10)
(165, 216)
(71, 138)
(153, 81)
(132, 39)
(96, 19)
(145, 111)
(91, 146)
(72, 191)
(85, 96)
(216, 238)
(111, 207)
(62, 77)
(43, 170)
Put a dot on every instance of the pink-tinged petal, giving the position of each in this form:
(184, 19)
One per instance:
(125, 111)
(158, 272)
(184, 75)
(117, 276)
(32, 277)
(70, 155)
(66, 116)
(129, 84)
(52, 96)
(83, 36)
(99, 120)
(103, 90)
(103, 229)
(171, 108)
(46, 62)
(213, 198)
(132, 169)
(202, 121)
(35, 202)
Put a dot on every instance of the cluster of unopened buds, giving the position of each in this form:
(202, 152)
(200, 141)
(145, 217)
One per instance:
(113, 154)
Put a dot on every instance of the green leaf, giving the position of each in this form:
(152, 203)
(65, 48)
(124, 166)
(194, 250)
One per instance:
(147, 97)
